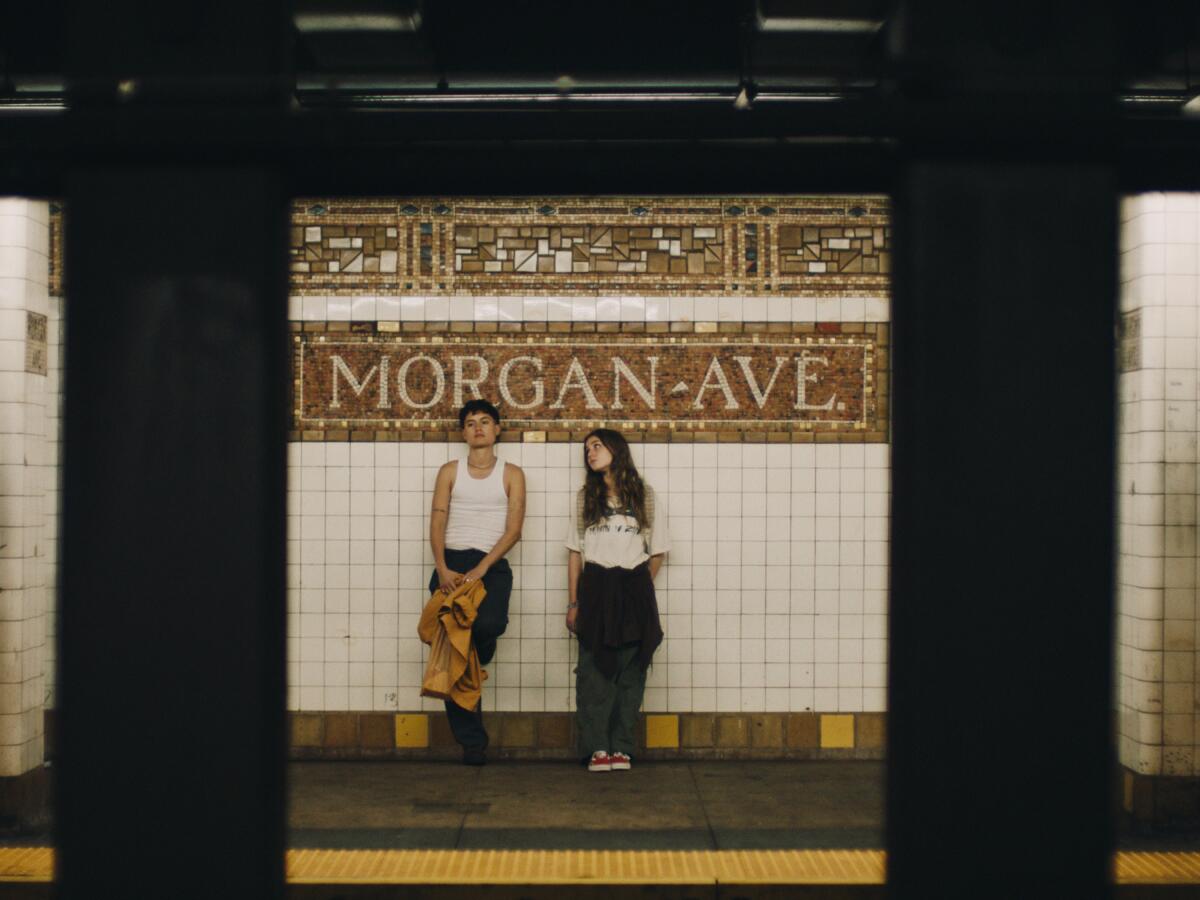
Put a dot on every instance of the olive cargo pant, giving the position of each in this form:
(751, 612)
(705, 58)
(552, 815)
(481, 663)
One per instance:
(606, 708)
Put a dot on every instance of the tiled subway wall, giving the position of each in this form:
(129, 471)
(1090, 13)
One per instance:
(774, 594)
(1157, 503)
(28, 436)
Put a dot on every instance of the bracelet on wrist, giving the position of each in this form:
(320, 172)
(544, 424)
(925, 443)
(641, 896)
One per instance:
(574, 605)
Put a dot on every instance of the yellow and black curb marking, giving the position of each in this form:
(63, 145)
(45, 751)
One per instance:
(32, 865)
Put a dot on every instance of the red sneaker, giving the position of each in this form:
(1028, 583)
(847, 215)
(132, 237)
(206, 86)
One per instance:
(600, 762)
(619, 761)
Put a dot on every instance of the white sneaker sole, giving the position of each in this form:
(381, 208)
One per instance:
(620, 766)
(604, 768)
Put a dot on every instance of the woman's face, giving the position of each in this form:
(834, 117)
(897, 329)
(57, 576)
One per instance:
(598, 456)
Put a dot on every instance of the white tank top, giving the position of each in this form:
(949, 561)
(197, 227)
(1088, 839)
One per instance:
(478, 509)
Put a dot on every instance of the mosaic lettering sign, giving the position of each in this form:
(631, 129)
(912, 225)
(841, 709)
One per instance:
(831, 246)
(817, 382)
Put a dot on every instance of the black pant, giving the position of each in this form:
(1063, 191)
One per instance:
(490, 621)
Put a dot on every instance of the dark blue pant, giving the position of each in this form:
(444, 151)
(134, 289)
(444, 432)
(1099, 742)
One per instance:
(490, 621)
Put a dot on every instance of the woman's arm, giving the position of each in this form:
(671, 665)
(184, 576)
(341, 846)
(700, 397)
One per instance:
(656, 562)
(574, 568)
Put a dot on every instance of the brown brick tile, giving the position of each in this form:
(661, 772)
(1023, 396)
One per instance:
(803, 730)
(871, 730)
(767, 730)
(697, 730)
(517, 730)
(554, 730)
(732, 731)
(377, 730)
(440, 734)
(307, 729)
(341, 730)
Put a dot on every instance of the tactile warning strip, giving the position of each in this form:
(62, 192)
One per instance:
(444, 867)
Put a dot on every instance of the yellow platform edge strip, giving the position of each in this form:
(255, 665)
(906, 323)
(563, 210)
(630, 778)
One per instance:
(553, 867)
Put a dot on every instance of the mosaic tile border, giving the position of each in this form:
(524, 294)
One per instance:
(572, 246)
(1129, 342)
(874, 428)
(56, 250)
(523, 735)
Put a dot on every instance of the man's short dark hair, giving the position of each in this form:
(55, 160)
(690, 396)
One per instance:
(482, 406)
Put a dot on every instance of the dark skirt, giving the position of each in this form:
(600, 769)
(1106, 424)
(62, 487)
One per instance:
(616, 607)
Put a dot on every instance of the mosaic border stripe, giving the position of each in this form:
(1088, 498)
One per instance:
(816, 246)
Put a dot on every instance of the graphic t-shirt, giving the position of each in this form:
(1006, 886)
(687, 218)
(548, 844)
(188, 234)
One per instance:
(617, 540)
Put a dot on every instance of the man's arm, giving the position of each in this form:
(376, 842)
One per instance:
(439, 513)
(514, 480)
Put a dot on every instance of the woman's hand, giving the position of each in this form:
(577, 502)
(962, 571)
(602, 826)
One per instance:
(448, 580)
(572, 615)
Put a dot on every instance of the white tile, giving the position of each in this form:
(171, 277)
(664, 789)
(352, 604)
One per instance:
(315, 309)
(583, 309)
(462, 309)
(389, 308)
(534, 309)
(829, 309)
(363, 309)
(682, 309)
(437, 309)
(633, 309)
(487, 309)
(706, 309)
(337, 309)
(658, 309)
(510, 309)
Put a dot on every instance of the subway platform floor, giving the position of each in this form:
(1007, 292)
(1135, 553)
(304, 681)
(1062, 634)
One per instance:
(678, 805)
(680, 829)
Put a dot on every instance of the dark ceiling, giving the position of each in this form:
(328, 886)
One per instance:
(375, 53)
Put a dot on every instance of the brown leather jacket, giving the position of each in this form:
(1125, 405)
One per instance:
(453, 671)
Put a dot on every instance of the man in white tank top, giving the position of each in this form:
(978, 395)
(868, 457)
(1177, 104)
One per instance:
(478, 510)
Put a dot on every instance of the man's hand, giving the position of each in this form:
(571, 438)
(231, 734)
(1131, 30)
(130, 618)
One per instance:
(448, 580)
(572, 615)
(476, 573)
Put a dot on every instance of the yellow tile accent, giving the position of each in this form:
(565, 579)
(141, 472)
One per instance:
(837, 732)
(662, 731)
(412, 731)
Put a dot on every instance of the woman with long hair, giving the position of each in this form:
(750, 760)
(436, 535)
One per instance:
(616, 540)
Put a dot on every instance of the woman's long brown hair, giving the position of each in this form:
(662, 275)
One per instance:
(631, 490)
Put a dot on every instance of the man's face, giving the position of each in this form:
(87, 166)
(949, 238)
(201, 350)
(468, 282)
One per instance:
(480, 430)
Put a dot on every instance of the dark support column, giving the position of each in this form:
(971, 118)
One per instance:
(173, 613)
(172, 676)
(1000, 742)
